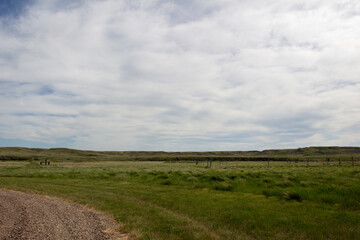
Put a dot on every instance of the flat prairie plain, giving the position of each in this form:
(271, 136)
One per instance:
(188, 200)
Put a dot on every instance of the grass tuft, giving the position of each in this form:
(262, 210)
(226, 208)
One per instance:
(223, 186)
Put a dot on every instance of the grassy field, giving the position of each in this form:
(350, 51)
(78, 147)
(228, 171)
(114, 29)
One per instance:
(182, 200)
(64, 154)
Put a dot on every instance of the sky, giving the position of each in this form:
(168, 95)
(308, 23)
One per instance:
(179, 75)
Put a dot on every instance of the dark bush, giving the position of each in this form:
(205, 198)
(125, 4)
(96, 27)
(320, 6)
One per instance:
(163, 176)
(292, 196)
(216, 178)
(166, 182)
(232, 177)
(266, 193)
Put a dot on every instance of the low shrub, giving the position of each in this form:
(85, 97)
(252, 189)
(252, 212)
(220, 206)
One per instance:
(166, 182)
(292, 196)
(217, 178)
(163, 176)
(266, 193)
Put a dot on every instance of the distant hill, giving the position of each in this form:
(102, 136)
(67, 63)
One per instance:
(65, 154)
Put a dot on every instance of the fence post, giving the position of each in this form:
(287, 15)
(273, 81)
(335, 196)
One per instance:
(352, 160)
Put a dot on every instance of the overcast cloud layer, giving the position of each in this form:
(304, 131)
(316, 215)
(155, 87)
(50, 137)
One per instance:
(180, 75)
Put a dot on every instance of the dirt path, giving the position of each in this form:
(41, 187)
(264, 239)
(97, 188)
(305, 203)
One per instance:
(29, 216)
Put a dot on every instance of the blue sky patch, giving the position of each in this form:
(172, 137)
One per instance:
(13, 8)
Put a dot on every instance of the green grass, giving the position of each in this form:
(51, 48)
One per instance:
(234, 200)
(345, 154)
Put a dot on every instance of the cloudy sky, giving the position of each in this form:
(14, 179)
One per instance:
(179, 75)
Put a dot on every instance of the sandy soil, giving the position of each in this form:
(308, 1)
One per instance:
(30, 216)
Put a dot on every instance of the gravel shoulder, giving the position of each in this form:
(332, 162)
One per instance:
(31, 216)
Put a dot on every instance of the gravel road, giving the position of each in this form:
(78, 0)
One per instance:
(30, 216)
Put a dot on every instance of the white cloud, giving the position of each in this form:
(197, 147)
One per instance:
(165, 75)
